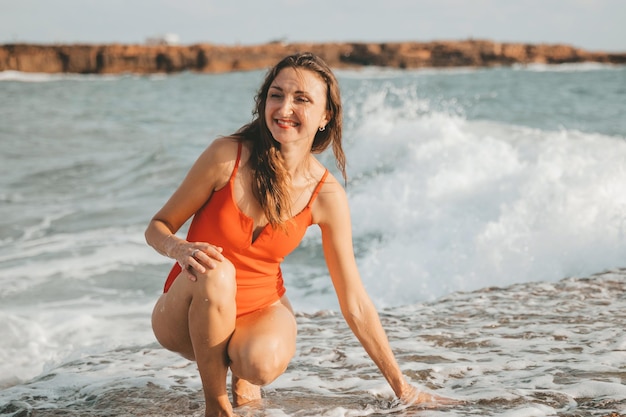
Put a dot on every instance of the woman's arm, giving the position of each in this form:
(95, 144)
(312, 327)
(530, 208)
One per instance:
(333, 216)
(210, 172)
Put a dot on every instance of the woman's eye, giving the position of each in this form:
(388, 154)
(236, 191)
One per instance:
(302, 99)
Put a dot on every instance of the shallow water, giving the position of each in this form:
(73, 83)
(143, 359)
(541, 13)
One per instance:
(525, 350)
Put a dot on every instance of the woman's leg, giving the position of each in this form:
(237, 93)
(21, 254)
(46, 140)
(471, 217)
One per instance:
(260, 349)
(197, 319)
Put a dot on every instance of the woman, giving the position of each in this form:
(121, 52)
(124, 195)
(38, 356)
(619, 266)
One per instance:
(252, 196)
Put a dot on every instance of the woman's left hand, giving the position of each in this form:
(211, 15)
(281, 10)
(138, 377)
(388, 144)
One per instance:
(413, 396)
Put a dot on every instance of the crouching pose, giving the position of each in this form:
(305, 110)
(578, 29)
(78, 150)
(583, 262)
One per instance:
(252, 196)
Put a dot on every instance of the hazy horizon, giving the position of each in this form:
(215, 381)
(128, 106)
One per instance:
(595, 25)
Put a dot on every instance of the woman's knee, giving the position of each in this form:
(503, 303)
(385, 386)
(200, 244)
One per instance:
(263, 357)
(218, 283)
(262, 369)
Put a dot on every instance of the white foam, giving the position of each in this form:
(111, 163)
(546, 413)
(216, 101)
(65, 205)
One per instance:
(74, 256)
(34, 341)
(533, 410)
(375, 72)
(40, 77)
(32, 77)
(567, 67)
(512, 364)
(596, 389)
(451, 204)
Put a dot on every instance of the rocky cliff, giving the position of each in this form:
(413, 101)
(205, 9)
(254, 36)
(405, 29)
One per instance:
(144, 59)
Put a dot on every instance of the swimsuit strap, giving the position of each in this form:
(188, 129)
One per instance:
(316, 191)
(317, 188)
(236, 168)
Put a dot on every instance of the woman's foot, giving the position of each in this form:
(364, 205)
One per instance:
(244, 392)
(219, 407)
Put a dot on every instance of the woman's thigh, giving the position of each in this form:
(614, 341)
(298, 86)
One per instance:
(176, 311)
(263, 343)
(170, 322)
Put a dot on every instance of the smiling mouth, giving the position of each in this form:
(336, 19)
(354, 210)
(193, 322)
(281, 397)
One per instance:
(285, 124)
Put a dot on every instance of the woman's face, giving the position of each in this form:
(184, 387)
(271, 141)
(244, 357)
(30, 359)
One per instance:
(295, 107)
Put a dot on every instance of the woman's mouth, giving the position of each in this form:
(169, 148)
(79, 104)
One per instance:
(285, 123)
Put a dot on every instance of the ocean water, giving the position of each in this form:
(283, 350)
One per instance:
(489, 217)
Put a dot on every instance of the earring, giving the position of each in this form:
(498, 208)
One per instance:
(321, 129)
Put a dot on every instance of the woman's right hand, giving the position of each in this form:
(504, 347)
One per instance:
(192, 256)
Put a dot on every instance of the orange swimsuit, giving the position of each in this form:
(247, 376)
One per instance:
(259, 277)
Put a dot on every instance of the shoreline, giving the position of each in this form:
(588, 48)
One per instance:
(211, 58)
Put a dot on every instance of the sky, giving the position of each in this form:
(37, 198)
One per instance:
(598, 25)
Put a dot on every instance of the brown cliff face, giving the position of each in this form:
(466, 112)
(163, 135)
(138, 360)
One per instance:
(144, 59)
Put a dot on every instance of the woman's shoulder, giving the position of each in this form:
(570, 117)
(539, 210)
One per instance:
(223, 148)
(331, 200)
(332, 188)
(222, 152)
(330, 184)
(217, 161)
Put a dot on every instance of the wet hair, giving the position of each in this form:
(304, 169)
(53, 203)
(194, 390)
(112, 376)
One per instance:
(270, 178)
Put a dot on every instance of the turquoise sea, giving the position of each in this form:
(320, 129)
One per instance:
(489, 213)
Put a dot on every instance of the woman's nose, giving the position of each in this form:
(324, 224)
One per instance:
(286, 108)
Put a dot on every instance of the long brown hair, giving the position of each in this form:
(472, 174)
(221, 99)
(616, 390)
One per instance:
(270, 178)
